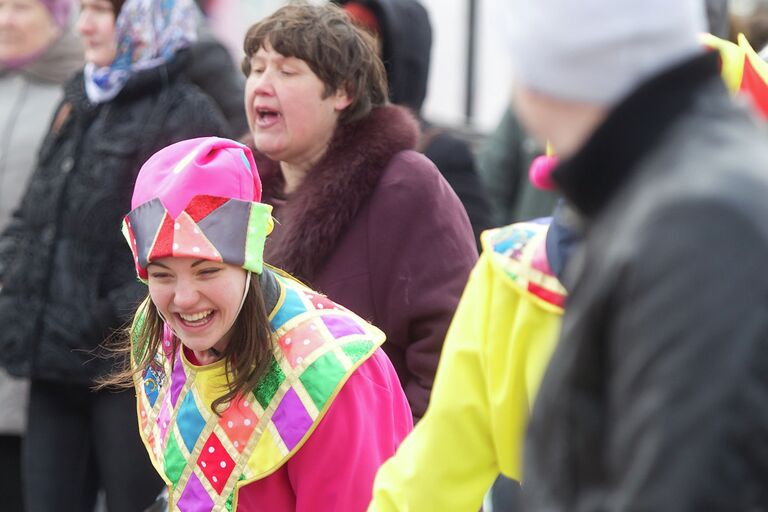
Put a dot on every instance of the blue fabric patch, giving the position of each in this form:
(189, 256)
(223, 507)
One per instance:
(151, 387)
(512, 241)
(189, 421)
(245, 161)
(292, 306)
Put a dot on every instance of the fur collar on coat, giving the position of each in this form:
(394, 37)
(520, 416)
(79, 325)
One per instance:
(316, 215)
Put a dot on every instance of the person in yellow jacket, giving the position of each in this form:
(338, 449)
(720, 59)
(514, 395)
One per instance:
(495, 353)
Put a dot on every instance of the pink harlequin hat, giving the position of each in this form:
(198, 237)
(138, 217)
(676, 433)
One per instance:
(199, 198)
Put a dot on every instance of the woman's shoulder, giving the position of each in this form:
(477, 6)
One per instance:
(192, 111)
(184, 93)
(412, 184)
(378, 372)
(411, 171)
(409, 159)
(166, 82)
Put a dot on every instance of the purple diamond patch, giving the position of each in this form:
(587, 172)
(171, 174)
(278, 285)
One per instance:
(178, 379)
(341, 326)
(291, 419)
(195, 498)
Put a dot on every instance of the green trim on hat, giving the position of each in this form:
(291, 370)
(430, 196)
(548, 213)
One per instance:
(260, 224)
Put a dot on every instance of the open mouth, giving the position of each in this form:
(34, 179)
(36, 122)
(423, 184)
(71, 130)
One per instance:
(266, 117)
(196, 319)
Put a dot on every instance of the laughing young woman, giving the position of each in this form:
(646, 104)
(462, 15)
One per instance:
(254, 392)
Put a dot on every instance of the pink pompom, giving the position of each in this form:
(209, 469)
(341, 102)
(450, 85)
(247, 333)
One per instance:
(540, 172)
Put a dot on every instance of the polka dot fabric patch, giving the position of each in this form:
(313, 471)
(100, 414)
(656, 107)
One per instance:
(238, 422)
(301, 341)
(215, 463)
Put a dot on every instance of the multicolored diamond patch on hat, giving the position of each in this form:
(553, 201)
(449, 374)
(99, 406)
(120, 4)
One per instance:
(199, 198)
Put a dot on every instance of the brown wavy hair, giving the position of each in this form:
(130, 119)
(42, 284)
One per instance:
(334, 48)
(248, 356)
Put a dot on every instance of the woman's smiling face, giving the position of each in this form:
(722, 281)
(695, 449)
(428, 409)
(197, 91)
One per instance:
(200, 300)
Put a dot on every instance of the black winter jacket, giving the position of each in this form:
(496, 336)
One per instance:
(67, 274)
(655, 397)
(211, 69)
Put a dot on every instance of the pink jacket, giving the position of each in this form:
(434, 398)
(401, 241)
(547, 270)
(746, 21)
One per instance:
(335, 468)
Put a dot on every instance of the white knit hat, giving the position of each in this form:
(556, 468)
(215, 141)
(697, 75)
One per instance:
(597, 51)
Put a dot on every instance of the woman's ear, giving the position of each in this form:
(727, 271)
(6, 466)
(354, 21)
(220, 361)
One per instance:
(342, 99)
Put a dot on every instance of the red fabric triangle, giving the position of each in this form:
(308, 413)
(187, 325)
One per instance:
(132, 241)
(200, 206)
(754, 85)
(163, 245)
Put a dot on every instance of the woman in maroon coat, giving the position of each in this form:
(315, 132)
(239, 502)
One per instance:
(361, 216)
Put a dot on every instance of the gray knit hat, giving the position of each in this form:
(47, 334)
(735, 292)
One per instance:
(597, 51)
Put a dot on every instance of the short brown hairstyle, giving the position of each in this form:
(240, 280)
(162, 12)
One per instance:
(339, 53)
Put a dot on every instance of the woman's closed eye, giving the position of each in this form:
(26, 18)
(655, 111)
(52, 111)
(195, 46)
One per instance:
(208, 272)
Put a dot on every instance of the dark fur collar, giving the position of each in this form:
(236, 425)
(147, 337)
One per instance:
(316, 216)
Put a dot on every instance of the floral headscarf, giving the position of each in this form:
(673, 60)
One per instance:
(148, 33)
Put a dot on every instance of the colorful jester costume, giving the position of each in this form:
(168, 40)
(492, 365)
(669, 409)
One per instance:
(331, 403)
(742, 69)
(494, 356)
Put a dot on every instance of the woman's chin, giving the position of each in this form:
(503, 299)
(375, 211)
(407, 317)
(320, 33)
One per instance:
(270, 149)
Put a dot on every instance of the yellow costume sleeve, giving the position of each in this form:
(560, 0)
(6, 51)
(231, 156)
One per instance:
(492, 361)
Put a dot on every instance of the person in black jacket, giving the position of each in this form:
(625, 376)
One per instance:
(405, 39)
(67, 282)
(654, 398)
(212, 69)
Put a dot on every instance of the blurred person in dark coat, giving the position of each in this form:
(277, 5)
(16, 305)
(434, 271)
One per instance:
(718, 17)
(503, 163)
(65, 285)
(38, 52)
(654, 397)
(212, 69)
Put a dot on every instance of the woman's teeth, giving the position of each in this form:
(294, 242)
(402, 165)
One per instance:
(196, 318)
(263, 113)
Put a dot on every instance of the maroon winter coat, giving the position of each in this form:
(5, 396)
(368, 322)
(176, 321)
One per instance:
(376, 228)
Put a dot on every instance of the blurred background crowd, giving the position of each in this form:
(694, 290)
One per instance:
(443, 61)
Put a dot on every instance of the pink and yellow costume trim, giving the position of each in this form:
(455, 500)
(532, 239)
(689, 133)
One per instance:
(205, 459)
(520, 249)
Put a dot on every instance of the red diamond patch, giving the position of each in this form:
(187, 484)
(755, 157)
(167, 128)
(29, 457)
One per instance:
(215, 463)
